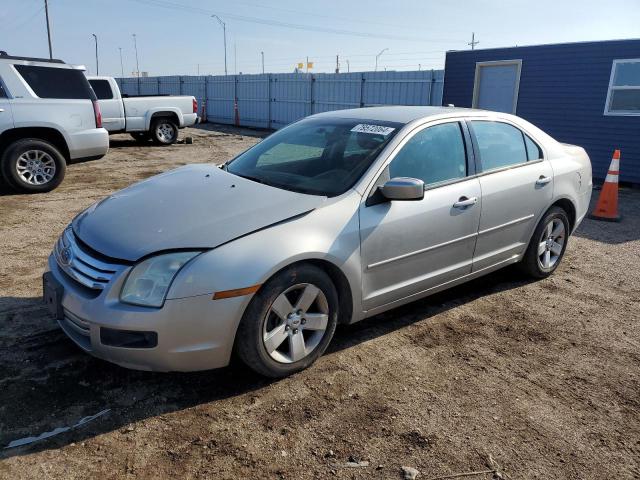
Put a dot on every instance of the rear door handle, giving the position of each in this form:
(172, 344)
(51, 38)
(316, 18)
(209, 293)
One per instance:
(543, 180)
(464, 202)
(1, 109)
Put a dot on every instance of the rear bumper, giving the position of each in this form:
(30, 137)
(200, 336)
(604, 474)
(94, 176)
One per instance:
(190, 119)
(92, 143)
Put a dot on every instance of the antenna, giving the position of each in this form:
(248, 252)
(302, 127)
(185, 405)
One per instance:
(473, 41)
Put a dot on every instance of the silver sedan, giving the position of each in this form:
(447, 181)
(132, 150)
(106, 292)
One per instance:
(330, 220)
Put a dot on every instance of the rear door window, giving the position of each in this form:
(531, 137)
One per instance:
(3, 93)
(102, 89)
(51, 82)
(500, 144)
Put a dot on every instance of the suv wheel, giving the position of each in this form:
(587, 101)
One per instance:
(164, 131)
(33, 165)
(289, 322)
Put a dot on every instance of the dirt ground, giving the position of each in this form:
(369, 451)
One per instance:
(543, 377)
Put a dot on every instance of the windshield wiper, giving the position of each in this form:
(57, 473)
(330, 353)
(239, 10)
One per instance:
(252, 178)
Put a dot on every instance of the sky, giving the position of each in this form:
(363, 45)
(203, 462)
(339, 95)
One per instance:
(180, 37)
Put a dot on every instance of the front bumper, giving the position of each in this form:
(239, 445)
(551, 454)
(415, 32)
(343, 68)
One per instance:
(193, 333)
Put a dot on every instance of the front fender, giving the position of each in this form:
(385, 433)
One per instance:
(330, 233)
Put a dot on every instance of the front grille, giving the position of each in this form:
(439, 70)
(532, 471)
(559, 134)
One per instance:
(80, 264)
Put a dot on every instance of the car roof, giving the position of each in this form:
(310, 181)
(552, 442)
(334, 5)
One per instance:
(397, 113)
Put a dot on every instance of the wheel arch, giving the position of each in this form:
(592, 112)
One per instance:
(48, 134)
(338, 278)
(569, 207)
(171, 114)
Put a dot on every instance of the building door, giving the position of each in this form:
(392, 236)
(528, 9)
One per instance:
(496, 85)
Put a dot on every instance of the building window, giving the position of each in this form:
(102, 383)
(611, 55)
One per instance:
(623, 97)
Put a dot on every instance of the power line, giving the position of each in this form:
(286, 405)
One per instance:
(296, 26)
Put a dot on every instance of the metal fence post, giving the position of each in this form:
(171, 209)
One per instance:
(269, 101)
(362, 79)
(311, 91)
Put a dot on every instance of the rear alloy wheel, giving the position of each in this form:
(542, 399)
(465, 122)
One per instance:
(547, 245)
(32, 165)
(164, 131)
(289, 322)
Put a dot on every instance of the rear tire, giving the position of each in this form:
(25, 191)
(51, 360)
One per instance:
(164, 131)
(547, 245)
(289, 322)
(32, 165)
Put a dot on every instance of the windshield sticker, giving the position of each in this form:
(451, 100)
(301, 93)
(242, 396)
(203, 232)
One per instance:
(373, 129)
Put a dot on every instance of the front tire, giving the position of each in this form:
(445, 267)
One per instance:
(164, 131)
(32, 165)
(547, 245)
(289, 322)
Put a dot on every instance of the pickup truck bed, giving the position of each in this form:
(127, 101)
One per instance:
(156, 117)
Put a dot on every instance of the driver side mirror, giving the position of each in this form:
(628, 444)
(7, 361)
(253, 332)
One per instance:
(403, 188)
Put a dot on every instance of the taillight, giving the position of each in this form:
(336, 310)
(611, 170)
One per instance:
(97, 113)
(195, 106)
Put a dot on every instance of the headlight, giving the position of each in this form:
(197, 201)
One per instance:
(149, 281)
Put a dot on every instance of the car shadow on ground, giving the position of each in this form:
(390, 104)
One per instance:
(46, 382)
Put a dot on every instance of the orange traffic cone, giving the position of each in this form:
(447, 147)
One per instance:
(607, 206)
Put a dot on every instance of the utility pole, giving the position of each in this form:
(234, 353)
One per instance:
(307, 65)
(121, 64)
(378, 56)
(46, 12)
(95, 37)
(135, 44)
(348, 69)
(337, 63)
(198, 69)
(473, 42)
(224, 33)
(262, 54)
(235, 59)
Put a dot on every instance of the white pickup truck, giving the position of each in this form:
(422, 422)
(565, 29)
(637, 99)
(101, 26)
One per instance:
(156, 117)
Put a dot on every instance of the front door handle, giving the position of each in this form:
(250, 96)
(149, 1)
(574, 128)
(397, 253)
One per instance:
(542, 180)
(1, 109)
(464, 202)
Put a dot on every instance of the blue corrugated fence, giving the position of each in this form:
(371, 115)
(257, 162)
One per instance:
(276, 99)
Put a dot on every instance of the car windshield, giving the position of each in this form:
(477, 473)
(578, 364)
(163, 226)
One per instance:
(316, 156)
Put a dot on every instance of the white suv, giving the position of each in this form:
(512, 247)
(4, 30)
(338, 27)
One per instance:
(49, 116)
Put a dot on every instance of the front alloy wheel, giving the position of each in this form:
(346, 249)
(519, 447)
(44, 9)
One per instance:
(289, 322)
(295, 323)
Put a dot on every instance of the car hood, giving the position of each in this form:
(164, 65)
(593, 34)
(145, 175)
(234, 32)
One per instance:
(192, 207)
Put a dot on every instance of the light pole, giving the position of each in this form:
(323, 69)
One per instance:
(135, 44)
(224, 33)
(95, 37)
(262, 53)
(378, 56)
(121, 64)
(46, 12)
